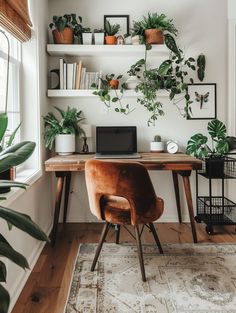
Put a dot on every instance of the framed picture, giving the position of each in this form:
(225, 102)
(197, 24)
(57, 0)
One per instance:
(122, 20)
(203, 97)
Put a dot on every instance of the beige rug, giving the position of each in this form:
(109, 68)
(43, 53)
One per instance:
(188, 278)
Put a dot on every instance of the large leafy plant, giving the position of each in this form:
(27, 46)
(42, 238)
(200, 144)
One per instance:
(13, 156)
(198, 143)
(67, 124)
(67, 20)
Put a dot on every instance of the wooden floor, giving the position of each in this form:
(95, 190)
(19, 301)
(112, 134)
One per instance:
(47, 288)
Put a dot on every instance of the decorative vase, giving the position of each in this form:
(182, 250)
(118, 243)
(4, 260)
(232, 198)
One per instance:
(65, 144)
(132, 82)
(98, 38)
(63, 37)
(156, 146)
(110, 40)
(87, 38)
(154, 36)
(114, 83)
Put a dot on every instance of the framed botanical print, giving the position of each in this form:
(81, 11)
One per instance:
(122, 20)
(203, 97)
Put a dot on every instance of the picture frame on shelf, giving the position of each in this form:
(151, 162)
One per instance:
(122, 20)
(203, 97)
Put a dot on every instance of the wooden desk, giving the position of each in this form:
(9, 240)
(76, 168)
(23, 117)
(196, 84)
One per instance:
(180, 163)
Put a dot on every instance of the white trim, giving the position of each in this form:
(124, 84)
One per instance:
(28, 176)
(24, 275)
(232, 77)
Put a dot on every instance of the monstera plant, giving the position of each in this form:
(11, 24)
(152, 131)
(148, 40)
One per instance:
(13, 156)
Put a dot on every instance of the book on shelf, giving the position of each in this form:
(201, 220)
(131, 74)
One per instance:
(78, 75)
(64, 76)
(61, 67)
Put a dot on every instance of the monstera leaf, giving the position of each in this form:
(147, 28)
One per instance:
(216, 129)
(197, 146)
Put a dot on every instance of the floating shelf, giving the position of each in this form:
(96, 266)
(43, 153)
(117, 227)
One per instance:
(83, 93)
(105, 50)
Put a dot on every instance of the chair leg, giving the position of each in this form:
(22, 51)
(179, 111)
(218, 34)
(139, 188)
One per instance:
(117, 233)
(140, 253)
(99, 247)
(153, 230)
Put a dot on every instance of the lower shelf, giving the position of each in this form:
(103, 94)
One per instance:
(216, 211)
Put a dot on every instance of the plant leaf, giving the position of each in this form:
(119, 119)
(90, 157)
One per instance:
(4, 300)
(23, 222)
(3, 272)
(10, 183)
(12, 137)
(7, 251)
(216, 129)
(171, 44)
(3, 125)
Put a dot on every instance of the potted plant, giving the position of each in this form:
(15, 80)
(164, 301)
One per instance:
(87, 36)
(113, 80)
(137, 33)
(214, 156)
(99, 36)
(134, 74)
(62, 132)
(10, 157)
(63, 28)
(153, 27)
(111, 31)
(157, 145)
(127, 39)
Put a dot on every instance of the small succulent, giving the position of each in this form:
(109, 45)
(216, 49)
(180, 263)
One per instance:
(157, 138)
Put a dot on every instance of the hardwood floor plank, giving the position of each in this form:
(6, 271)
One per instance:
(47, 287)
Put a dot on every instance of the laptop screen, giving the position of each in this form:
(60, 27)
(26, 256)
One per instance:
(116, 139)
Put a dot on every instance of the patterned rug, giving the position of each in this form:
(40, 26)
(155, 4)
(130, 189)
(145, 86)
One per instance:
(188, 278)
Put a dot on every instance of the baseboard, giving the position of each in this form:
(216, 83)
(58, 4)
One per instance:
(23, 277)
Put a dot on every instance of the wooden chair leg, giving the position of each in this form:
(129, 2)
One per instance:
(117, 233)
(140, 253)
(99, 247)
(153, 230)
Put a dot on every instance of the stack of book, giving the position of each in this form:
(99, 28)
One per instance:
(75, 76)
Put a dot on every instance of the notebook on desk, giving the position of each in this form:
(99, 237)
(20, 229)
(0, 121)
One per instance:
(116, 142)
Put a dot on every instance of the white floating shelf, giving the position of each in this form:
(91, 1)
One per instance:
(105, 50)
(83, 93)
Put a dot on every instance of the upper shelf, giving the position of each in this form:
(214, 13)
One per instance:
(105, 50)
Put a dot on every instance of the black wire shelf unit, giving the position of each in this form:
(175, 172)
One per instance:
(211, 209)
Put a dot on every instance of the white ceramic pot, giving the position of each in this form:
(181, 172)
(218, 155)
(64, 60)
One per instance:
(87, 38)
(98, 38)
(156, 146)
(65, 144)
(132, 82)
(135, 40)
(128, 40)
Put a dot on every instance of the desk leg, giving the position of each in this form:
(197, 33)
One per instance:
(67, 192)
(60, 183)
(177, 197)
(189, 202)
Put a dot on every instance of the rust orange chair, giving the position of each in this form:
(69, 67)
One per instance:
(121, 193)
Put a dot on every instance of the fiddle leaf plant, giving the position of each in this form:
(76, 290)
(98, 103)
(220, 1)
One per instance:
(198, 146)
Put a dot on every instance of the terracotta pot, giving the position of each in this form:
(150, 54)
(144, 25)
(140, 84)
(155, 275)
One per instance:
(110, 40)
(64, 37)
(154, 36)
(114, 83)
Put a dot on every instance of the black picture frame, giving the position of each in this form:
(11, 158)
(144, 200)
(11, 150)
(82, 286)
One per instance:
(204, 105)
(116, 19)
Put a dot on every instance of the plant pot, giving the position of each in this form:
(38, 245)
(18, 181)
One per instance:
(154, 36)
(110, 40)
(6, 175)
(132, 82)
(128, 40)
(156, 146)
(87, 38)
(114, 83)
(215, 167)
(99, 38)
(64, 37)
(65, 144)
(136, 40)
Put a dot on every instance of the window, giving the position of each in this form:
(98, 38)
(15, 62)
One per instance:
(13, 103)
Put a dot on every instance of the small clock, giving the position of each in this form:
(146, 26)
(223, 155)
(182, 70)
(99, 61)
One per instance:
(172, 146)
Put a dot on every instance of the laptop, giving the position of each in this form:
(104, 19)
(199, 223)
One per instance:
(116, 142)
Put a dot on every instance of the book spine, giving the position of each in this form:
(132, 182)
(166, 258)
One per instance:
(61, 64)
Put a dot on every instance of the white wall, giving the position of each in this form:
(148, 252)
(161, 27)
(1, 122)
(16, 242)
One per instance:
(202, 28)
(37, 200)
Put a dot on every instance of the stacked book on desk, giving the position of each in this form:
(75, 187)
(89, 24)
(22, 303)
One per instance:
(75, 76)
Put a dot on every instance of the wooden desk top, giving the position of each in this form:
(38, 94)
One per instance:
(152, 161)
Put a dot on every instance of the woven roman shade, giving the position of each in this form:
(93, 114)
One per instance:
(14, 17)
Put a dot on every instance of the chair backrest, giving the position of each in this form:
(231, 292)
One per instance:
(123, 179)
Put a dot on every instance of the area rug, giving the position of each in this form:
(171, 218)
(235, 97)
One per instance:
(188, 278)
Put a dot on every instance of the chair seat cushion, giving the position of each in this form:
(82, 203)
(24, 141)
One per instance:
(115, 210)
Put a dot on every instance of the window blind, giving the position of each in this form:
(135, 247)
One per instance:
(14, 17)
